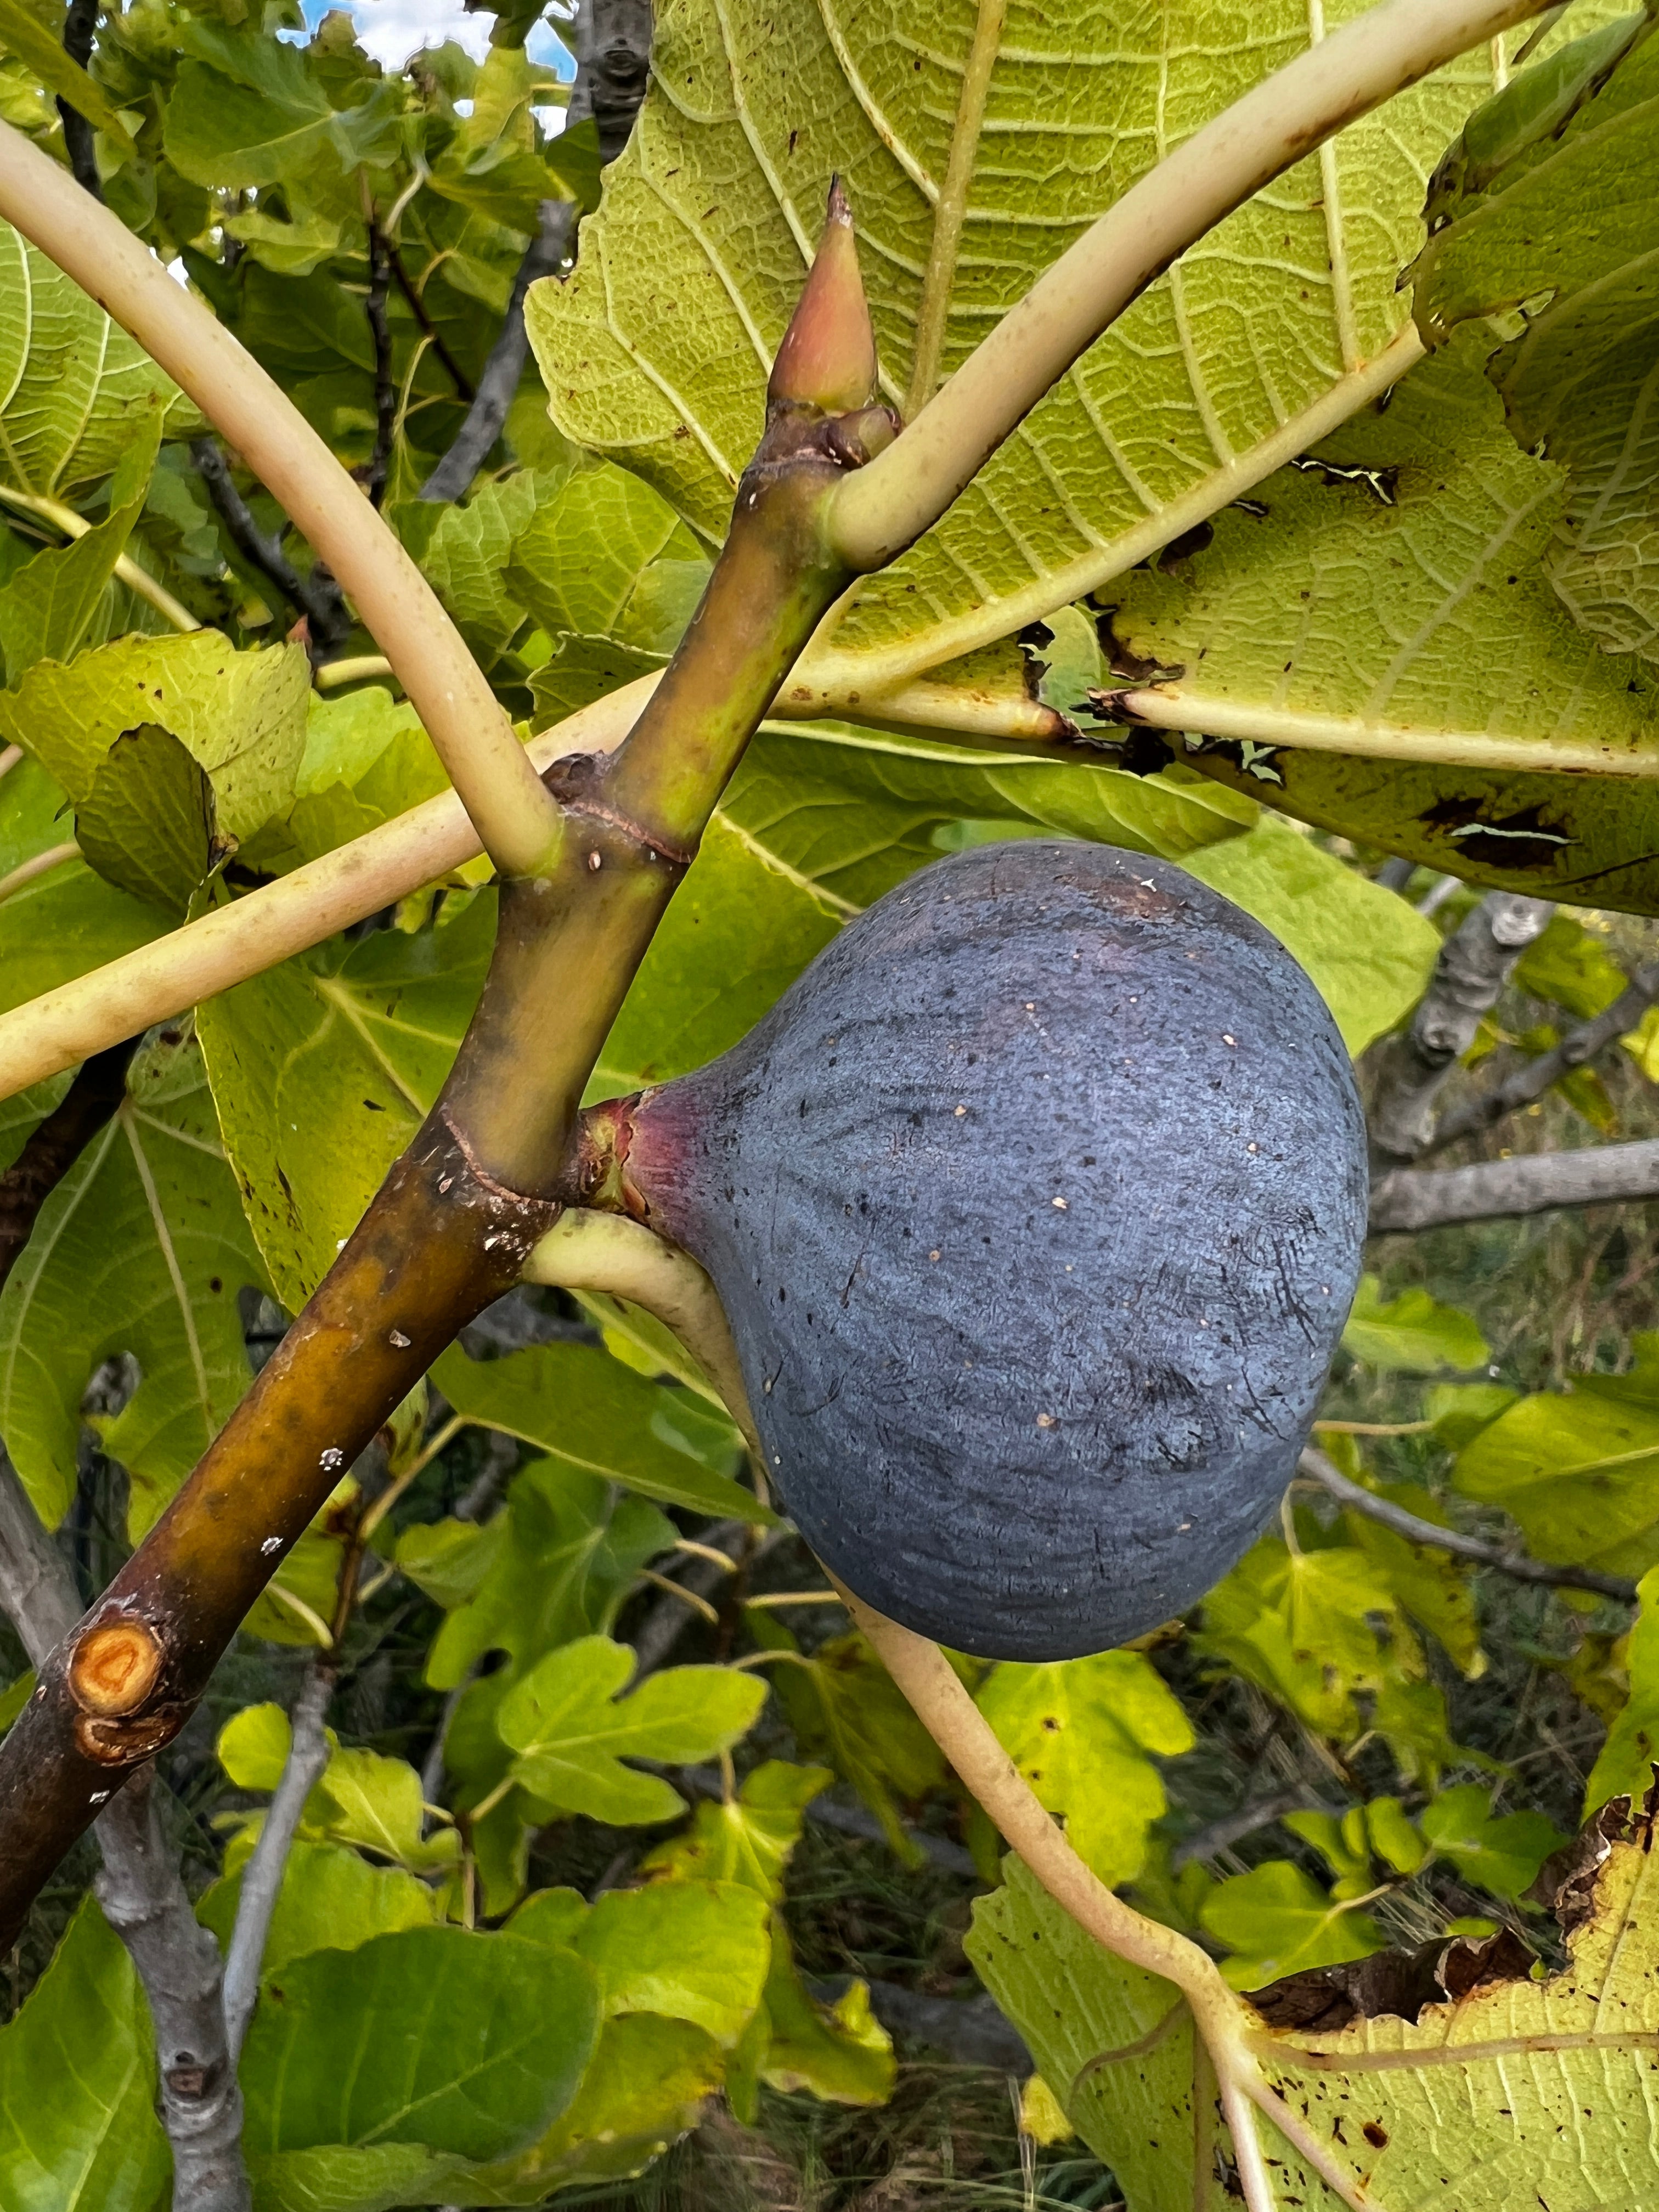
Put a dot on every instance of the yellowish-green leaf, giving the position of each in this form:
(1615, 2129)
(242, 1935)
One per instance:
(240, 716)
(1625, 1768)
(27, 37)
(657, 351)
(1412, 1334)
(1083, 1733)
(72, 383)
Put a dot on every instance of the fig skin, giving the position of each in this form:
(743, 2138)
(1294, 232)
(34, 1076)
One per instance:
(1036, 1206)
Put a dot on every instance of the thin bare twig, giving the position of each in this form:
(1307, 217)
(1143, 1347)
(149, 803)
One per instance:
(612, 40)
(80, 24)
(543, 257)
(1534, 1077)
(1517, 1565)
(316, 597)
(1532, 1183)
(262, 1877)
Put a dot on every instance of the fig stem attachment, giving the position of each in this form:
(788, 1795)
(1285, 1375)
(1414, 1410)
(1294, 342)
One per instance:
(1222, 2020)
(618, 1258)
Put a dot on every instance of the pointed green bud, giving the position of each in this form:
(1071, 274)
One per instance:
(827, 357)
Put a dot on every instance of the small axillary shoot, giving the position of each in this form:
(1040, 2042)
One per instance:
(827, 357)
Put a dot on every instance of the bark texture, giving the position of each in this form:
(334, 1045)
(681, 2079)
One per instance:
(1423, 1198)
(1476, 963)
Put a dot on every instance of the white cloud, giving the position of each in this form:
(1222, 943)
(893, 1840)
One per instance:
(392, 30)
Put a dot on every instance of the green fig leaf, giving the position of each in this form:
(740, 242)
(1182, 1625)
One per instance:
(331, 1900)
(645, 2087)
(78, 2131)
(240, 716)
(1576, 1474)
(61, 919)
(323, 1068)
(467, 2044)
(748, 1837)
(1082, 1733)
(657, 350)
(554, 1564)
(1276, 1920)
(1412, 1334)
(1625, 1767)
(74, 386)
(571, 1729)
(697, 1951)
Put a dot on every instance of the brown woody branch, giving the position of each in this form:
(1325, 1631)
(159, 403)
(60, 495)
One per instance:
(145, 1901)
(1517, 1565)
(1476, 963)
(429, 330)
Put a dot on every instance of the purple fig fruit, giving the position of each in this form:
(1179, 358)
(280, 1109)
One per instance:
(1037, 1205)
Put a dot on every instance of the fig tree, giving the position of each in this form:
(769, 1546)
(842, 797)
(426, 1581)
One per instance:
(1036, 1206)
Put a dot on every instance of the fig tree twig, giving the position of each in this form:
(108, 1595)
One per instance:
(1474, 963)
(1532, 1078)
(316, 597)
(612, 42)
(499, 382)
(517, 819)
(385, 389)
(1531, 1182)
(1273, 126)
(51, 1149)
(1517, 1565)
(429, 330)
(262, 1877)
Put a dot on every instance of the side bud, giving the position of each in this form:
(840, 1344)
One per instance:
(827, 357)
